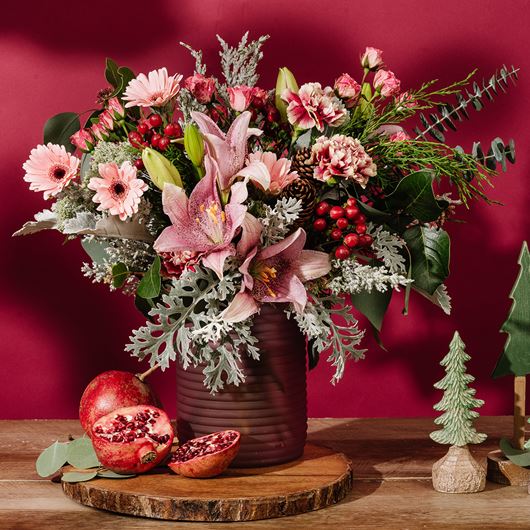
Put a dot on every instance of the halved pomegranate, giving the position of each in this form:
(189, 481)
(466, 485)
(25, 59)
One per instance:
(111, 390)
(206, 456)
(132, 439)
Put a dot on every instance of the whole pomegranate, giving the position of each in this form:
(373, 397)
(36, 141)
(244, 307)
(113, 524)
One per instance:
(111, 390)
(132, 439)
(206, 456)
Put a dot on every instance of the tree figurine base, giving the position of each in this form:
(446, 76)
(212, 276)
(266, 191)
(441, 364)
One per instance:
(503, 471)
(458, 472)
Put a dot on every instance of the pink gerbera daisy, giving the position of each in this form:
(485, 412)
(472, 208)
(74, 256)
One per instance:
(153, 90)
(50, 169)
(118, 190)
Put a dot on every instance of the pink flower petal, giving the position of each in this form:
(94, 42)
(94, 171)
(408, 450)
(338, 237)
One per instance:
(312, 264)
(289, 247)
(242, 307)
(216, 260)
(250, 234)
(174, 202)
(257, 172)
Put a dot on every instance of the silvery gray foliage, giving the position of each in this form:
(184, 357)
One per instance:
(387, 247)
(188, 104)
(278, 220)
(352, 277)
(239, 64)
(440, 297)
(200, 68)
(187, 324)
(81, 222)
(329, 325)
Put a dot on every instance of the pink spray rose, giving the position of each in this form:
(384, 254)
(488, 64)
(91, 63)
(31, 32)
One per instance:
(259, 97)
(399, 136)
(387, 83)
(342, 156)
(116, 108)
(202, 88)
(372, 58)
(106, 120)
(406, 101)
(83, 139)
(99, 131)
(313, 106)
(348, 89)
(240, 97)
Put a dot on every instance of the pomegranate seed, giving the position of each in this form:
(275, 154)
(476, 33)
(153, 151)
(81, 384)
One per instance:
(155, 120)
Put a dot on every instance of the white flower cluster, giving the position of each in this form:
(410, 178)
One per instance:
(352, 277)
(277, 221)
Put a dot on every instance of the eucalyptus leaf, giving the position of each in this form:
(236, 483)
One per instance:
(97, 250)
(52, 459)
(519, 457)
(76, 476)
(149, 286)
(416, 193)
(430, 255)
(106, 473)
(81, 454)
(59, 128)
(120, 272)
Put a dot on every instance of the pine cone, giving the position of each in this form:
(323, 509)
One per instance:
(305, 190)
(301, 163)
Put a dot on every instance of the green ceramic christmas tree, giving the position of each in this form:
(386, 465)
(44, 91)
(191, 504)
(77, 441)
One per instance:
(458, 400)
(515, 359)
(457, 471)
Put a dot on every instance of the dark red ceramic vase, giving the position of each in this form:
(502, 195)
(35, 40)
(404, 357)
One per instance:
(269, 409)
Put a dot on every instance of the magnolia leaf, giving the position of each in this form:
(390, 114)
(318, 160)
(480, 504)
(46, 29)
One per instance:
(430, 251)
(76, 476)
(52, 459)
(149, 286)
(415, 195)
(81, 454)
(45, 220)
(59, 128)
(372, 305)
(120, 272)
(313, 355)
(106, 473)
(519, 457)
(112, 226)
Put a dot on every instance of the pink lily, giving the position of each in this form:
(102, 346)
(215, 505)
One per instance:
(200, 223)
(273, 274)
(229, 150)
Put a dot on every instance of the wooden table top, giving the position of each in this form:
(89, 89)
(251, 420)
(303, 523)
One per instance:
(392, 461)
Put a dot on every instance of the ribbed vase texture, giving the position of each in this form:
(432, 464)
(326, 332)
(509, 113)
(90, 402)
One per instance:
(269, 409)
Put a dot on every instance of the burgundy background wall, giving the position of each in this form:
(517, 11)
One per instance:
(57, 330)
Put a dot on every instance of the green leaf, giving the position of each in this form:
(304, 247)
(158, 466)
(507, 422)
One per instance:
(59, 128)
(52, 459)
(120, 273)
(313, 355)
(372, 305)
(111, 72)
(76, 476)
(149, 286)
(95, 249)
(106, 473)
(81, 454)
(518, 456)
(414, 195)
(126, 75)
(430, 250)
(143, 305)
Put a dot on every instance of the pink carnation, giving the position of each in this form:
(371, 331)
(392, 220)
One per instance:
(259, 97)
(202, 88)
(278, 169)
(154, 90)
(50, 169)
(118, 190)
(348, 89)
(240, 97)
(386, 83)
(313, 106)
(175, 263)
(372, 58)
(83, 139)
(342, 156)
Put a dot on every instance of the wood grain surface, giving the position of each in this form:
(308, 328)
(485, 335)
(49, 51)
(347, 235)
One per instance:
(391, 462)
(320, 478)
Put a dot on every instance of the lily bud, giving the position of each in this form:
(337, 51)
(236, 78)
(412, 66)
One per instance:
(160, 169)
(194, 144)
(285, 80)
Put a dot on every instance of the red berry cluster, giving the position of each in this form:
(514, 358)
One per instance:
(151, 133)
(343, 223)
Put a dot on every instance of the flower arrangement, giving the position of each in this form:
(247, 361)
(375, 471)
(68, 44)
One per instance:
(205, 199)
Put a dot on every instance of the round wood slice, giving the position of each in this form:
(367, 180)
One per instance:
(321, 477)
(503, 471)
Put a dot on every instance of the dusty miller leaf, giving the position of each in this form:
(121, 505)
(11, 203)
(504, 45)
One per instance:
(45, 220)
